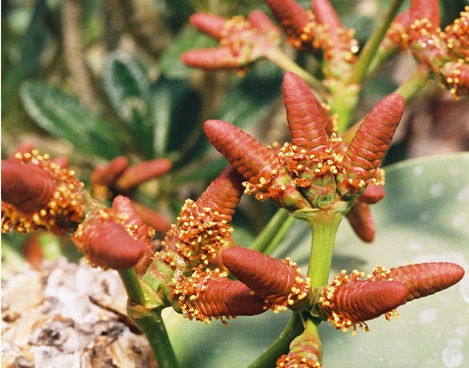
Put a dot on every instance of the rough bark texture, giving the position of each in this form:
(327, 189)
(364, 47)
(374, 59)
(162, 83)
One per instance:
(69, 315)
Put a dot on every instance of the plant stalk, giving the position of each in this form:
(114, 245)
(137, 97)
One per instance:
(151, 323)
(411, 86)
(369, 50)
(132, 286)
(284, 62)
(282, 344)
(324, 230)
(273, 232)
(415, 82)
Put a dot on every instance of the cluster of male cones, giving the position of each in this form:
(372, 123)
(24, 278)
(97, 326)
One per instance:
(314, 175)
(417, 29)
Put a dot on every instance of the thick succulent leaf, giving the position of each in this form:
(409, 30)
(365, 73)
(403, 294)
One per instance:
(128, 91)
(64, 117)
(423, 217)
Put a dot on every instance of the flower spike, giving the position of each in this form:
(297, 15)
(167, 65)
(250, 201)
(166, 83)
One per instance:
(142, 172)
(208, 294)
(193, 244)
(316, 170)
(96, 237)
(203, 226)
(318, 29)
(119, 178)
(349, 301)
(136, 227)
(298, 24)
(326, 14)
(26, 195)
(426, 9)
(55, 199)
(242, 41)
(422, 279)
(211, 59)
(456, 77)
(243, 152)
(278, 281)
(305, 351)
(456, 36)
(262, 22)
(223, 195)
(366, 151)
(361, 221)
(308, 120)
(337, 41)
(107, 175)
(99, 243)
(444, 52)
(256, 162)
(210, 24)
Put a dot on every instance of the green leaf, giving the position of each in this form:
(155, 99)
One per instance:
(64, 117)
(423, 217)
(128, 91)
(161, 110)
(28, 55)
(175, 109)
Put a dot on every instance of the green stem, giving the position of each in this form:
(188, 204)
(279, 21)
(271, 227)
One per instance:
(284, 62)
(273, 233)
(152, 325)
(280, 234)
(281, 344)
(149, 321)
(324, 232)
(415, 82)
(132, 285)
(311, 326)
(369, 50)
(411, 86)
(311, 333)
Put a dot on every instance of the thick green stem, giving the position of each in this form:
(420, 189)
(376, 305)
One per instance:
(286, 225)
(273, 233)
(369, 50)
(284, 62)
(324, 232)
(281, 344)
(412, 85)
(311, 326)
(150, 322)
(132, 286)
(415, 82)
